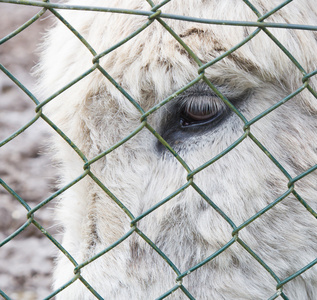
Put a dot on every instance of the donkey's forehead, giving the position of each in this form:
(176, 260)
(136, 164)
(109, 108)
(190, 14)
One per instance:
(167, 55)
(151, 70)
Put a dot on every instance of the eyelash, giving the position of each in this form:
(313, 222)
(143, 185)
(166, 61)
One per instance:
(201, 111)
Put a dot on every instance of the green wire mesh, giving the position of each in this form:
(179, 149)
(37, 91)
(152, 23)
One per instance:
(155, 15)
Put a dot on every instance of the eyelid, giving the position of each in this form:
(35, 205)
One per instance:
(201, 89)
(203, 104)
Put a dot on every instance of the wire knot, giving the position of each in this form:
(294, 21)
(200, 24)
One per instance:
(155, 15)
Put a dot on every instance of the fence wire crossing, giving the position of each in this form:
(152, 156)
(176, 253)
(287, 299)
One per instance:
(155, 14)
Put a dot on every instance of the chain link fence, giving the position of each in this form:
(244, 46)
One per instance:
(155, 13)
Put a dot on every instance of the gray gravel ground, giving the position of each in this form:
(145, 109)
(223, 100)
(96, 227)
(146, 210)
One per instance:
(26, 262)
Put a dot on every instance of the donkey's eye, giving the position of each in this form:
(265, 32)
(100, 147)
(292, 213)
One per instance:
(201, 111)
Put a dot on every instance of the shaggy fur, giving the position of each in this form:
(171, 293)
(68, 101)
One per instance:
(141, 172)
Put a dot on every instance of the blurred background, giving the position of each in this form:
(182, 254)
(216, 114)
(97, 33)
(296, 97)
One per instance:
(27, 261)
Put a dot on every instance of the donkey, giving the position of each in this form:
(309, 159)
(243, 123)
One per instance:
(248, 213)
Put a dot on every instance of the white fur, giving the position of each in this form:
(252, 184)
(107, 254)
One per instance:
(151, 66)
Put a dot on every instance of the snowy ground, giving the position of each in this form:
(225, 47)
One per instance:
(26, 262)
